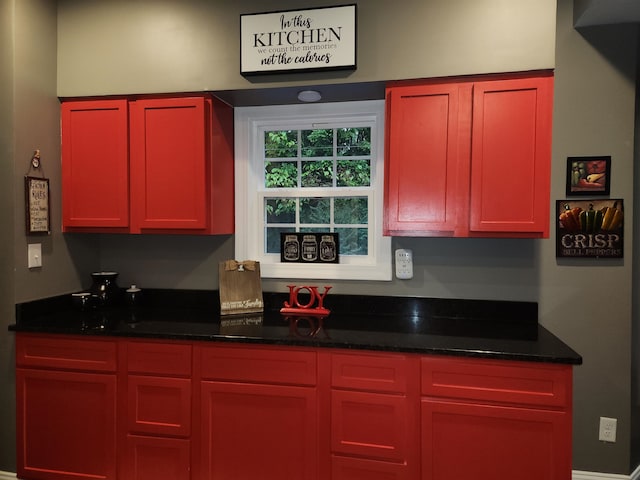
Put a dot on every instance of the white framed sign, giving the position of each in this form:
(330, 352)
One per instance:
(37, 205)
(298, 40)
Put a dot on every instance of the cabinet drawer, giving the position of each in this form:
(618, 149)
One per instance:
(159, 405)
(159, 358)
(150, 458)
(384, 373)
(66, 353)
(499, 381)
(345, 468)
(260, 365)
(372, 425)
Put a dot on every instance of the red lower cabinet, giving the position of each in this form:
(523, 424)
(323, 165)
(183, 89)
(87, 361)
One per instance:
(66, 420)
(258, 431)
(464, 440)
(486, 419)
(124, 409)
(258, 413)
(157, 423)
(374, 416)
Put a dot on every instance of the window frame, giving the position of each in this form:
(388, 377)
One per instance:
(250, 192)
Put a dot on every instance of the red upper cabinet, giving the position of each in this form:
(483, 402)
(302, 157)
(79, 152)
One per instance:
(178, 165)
(469, 158)
(422, 160)
(510, 156)
(95, 164)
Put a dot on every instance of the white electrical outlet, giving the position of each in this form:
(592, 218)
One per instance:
(404, 264)
(608, 428)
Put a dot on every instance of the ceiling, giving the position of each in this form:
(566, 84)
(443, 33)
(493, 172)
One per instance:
(605, 12)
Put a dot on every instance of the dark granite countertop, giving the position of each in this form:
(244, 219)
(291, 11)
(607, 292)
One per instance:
(470, 328)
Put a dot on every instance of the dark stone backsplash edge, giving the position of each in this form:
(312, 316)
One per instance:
(518, 312)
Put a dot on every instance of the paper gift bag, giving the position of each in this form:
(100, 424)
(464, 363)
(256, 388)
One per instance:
(240, 287)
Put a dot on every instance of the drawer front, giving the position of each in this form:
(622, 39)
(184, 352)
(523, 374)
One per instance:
(159, 358)
(383, 373)
(345, 468)
(259, 365)
(159, 405)
(372, 425)
(65, 353)
(153, 458)
(499, 381)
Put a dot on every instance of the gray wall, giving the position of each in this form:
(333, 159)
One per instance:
(29, 120)
(160, 46)
(7, 402)
(588, 303)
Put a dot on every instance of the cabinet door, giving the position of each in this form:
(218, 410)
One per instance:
(65, 425)
(487, 442)
(169, 163)
(422, 162)
(511, 156)
(258, 431)
(95, 164)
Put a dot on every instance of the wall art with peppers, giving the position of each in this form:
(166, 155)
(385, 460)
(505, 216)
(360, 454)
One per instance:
(590, 228)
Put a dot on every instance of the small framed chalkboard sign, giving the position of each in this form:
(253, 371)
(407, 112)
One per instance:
(309, 247)
(38, 204)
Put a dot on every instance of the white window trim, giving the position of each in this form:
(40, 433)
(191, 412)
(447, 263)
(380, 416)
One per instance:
(248, 205)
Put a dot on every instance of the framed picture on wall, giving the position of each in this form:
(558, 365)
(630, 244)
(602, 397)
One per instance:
(37, 205)
(588, 176)
(590, 228)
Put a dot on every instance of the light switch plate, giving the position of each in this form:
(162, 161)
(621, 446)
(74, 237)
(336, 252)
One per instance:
(404, 264)
(34, 255)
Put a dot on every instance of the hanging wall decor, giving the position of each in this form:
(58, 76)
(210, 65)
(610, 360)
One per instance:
(314, 39)
(590, 228)
(37, 201)
(588, 176)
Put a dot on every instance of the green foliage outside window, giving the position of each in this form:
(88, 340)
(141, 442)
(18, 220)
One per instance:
(326, 158)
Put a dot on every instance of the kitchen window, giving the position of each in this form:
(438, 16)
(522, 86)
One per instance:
(312, 168)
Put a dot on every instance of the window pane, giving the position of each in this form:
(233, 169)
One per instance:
(281, 144)
(353, 241)
(280, 210)
(314, 229)
(272, 238)
(353, 173)
(317, 143)
(280, 174)
(315, 210)
(317, 173)
(354, 141)
(351, 210)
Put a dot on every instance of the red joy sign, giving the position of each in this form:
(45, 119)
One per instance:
(315, 304)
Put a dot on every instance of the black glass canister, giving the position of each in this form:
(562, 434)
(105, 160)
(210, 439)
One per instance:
(104, 290)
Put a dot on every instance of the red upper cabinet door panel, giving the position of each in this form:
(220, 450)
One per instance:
(95, 164)
(422, 170)
(169, 159)
(511, 153)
